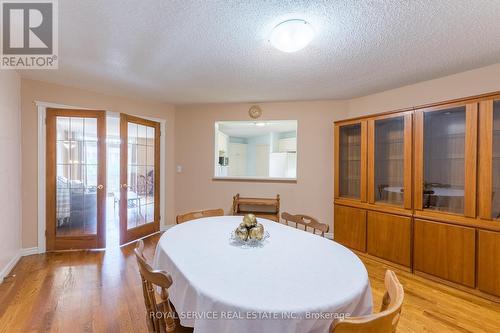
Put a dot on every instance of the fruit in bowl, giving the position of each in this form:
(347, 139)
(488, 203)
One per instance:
(249, 220)
(241, 233)
(256, 232)
(249, 229)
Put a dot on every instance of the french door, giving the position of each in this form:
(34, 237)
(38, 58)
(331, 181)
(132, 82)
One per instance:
(75, 179)
(139, 178)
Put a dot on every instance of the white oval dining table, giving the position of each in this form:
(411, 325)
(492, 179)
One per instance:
(295, 282)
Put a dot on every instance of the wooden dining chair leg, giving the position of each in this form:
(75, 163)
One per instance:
(153, 309)
(147, 302)
(168, 313)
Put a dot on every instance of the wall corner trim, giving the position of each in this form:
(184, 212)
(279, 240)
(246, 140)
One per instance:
(29, 251)
(5, 271)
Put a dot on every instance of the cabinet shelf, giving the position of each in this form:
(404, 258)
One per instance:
(447, 136)
(459, 157)
(390, 142)
(396, 159)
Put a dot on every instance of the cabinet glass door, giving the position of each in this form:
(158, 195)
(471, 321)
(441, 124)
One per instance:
(495, 205)
(389, 161)
(350, 161)
(444, 160)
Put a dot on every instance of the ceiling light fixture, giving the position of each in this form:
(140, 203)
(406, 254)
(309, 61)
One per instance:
(292, 35)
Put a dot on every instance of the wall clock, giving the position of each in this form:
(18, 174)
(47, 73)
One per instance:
(255, 111)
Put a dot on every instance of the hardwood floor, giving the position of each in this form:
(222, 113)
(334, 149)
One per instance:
(91, 291)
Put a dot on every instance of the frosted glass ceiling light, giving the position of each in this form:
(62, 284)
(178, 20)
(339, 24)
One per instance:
(292, 35)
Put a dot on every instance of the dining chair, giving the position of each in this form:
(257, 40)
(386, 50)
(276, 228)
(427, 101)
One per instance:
(385, 321)
(199, 214)
(382, 194)
(155, 304)
(306, 221)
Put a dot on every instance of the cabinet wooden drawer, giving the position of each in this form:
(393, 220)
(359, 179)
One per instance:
(488, 262)
(446, 251)
(349, 227)
(389, 237)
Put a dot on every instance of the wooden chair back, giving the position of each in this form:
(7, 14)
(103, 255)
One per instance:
(267, 208)
(306, 222)
(199, 214)
(386, 320)
(151, 278)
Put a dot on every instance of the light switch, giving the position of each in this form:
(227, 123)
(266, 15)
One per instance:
(179, 168)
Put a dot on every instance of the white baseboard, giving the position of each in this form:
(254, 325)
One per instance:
(12, 263)
(6, 270)
(29, 251)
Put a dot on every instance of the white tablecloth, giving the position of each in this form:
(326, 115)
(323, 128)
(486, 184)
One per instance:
(294, 283)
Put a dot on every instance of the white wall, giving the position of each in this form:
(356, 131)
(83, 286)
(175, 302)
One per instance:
(312, 194)
(474, 82)
(10, 166)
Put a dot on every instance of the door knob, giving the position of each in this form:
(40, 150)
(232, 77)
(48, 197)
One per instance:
(124, 186)
(100, 187)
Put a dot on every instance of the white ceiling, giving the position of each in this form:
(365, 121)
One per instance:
(190, 51)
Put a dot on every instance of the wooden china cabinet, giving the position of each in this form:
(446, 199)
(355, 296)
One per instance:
(488, 247)
(390, 187)
(379, 217)
(420, 189)
(350, 183)
(445, 190)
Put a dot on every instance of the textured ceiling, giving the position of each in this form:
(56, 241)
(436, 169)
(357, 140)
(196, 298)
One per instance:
(218, 51)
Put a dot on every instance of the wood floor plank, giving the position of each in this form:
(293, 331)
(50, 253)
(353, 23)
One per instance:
(92, 291)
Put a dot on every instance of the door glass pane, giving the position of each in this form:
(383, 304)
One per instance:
(141, 157)
(150, 193)
(76, 183)
(444, 160)
(62, 128)
(496, 161)
(389, 158)
(350, 160)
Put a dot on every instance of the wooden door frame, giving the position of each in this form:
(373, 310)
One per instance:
(81, 241)
(127, 235)
(470, 155)
(41, 107)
